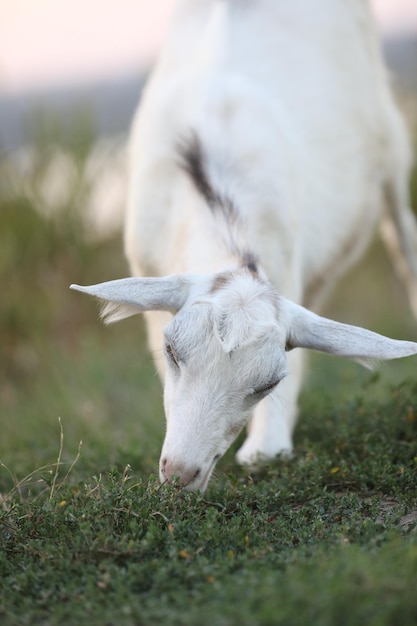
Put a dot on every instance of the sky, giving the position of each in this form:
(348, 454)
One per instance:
(46, 43)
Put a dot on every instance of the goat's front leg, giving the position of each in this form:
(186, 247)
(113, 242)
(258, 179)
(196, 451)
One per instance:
(271, 427)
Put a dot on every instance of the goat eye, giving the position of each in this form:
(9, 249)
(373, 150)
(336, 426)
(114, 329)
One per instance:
(266, 389)
(171, 354)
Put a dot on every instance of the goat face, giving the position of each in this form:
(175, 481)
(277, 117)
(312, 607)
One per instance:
(225, 350)
(224, 353)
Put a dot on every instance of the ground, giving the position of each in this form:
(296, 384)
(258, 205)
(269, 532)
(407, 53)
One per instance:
(88, 536)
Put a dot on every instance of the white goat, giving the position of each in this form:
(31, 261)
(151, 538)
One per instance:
(264, 147)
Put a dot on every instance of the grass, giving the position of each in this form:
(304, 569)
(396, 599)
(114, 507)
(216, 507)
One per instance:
(88, 536)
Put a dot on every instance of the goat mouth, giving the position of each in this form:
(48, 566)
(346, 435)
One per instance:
(200, 480)
(202, 486)
(205, 480)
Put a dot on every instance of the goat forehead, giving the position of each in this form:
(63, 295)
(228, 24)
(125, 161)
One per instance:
(242, 308)
(193, 335)
(195, 324)
(242, 289)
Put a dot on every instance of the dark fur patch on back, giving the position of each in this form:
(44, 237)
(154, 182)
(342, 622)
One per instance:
(193, 162)
(250, 261)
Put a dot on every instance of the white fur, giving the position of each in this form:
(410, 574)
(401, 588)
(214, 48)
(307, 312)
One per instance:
(299, 128)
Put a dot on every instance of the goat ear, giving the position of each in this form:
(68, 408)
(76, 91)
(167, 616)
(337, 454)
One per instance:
(129, 296)
(307, 330)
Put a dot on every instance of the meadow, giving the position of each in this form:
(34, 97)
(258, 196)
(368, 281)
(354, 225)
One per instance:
(87, 534)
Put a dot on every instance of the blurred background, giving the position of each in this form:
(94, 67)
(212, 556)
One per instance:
(71, 73)
(61, 54)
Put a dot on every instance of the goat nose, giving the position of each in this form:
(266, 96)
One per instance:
(186, 475)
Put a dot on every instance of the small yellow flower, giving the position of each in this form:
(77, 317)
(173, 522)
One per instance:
(184, 554)
(62, 503)
(334, 470)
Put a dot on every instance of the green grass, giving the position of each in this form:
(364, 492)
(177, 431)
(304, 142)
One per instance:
(87, 535)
